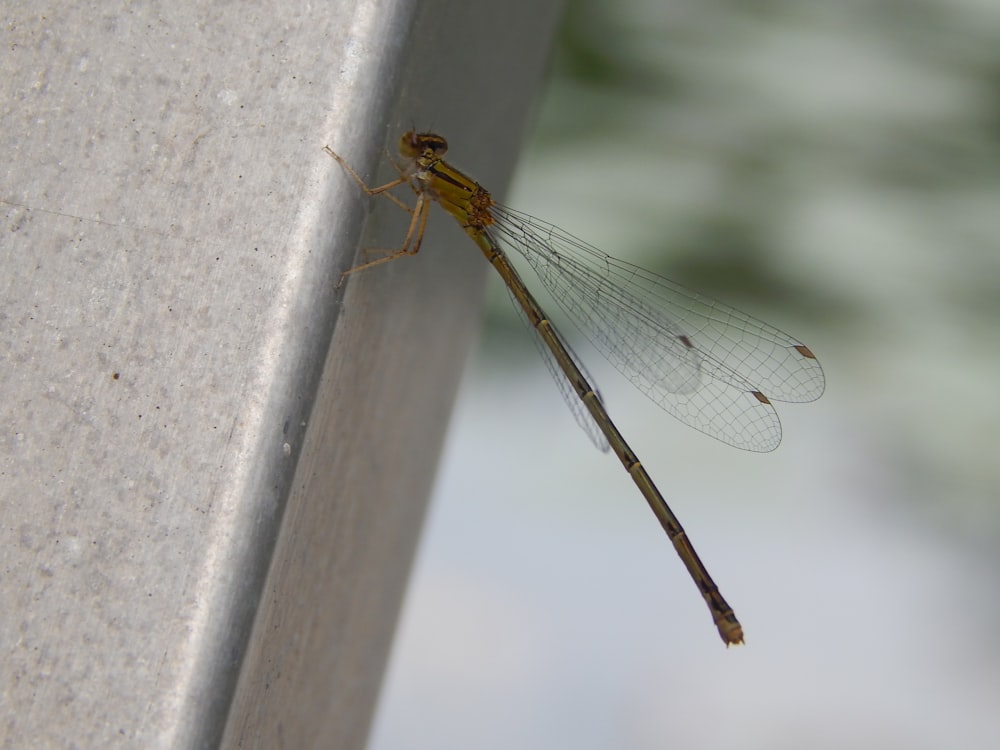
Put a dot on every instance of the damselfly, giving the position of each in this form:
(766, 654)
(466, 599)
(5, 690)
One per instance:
(711, 366)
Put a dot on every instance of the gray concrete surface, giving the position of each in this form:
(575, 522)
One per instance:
(214, 464)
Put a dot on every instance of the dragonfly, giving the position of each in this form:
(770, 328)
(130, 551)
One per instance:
(710, 365)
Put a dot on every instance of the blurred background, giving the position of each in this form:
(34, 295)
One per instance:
(834, 169)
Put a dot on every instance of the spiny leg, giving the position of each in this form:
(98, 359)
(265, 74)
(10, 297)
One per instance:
(381, 189)
(418, 220)
(411, 243)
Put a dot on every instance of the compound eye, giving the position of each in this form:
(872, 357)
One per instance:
(437, 144)
(409, 145)
(413, 145)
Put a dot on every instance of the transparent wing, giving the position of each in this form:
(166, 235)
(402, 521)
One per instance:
(713, 367)
(581, 414)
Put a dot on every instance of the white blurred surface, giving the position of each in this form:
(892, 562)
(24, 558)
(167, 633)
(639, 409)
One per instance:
(548, 610)
(857, 144)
